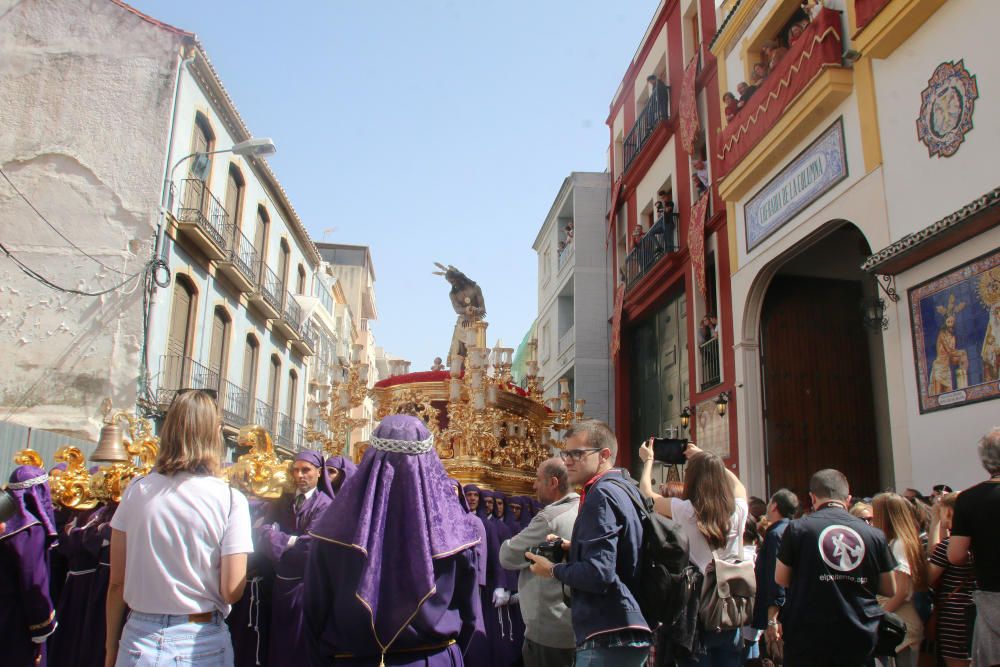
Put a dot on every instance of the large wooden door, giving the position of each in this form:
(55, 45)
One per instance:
(818, 408)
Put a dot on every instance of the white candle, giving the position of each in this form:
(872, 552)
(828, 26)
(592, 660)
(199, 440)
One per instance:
(491, 395)
(455, 390)
(479, 401)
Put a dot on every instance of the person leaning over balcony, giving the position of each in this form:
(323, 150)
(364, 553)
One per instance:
(179, 545)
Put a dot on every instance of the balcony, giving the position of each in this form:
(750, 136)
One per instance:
(289, 324)
(882, 25)
(565, 254)
(659, 241)
(289, 434)
(241, 263)
(235, 404)
(657, 109)
(202, 218)
(711, 371)
(566, 341)
(263, 415)
(805, 88)
(267, 297)
(306, 344)
(180, 372)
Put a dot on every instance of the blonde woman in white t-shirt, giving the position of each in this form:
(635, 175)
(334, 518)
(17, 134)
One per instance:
(712, 511)
(179, 546)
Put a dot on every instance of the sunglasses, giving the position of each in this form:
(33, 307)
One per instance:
(576, 455)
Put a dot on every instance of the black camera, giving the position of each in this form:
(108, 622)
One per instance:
(669, 450)
(550, 549)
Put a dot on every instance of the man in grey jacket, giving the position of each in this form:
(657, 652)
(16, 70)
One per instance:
(548, 636)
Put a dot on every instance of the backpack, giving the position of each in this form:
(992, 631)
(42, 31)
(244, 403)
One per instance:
(663, 558)
(727, 595)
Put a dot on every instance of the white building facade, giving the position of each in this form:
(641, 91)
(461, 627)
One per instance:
(574, 300)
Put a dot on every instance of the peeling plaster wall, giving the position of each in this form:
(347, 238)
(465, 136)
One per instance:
(86, 89)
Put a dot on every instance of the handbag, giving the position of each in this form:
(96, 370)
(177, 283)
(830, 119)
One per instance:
(891, 632)
(727, 594)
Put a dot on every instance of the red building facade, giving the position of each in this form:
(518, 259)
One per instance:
(672, 329)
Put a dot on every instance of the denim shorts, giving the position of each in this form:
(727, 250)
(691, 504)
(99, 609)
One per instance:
(161, 640)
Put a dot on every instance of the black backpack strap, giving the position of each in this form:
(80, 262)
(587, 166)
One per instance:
(640, 505)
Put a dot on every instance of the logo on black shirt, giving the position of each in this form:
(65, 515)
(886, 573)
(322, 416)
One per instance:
(841, 548)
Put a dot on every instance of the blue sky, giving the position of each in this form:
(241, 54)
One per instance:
(430, 130)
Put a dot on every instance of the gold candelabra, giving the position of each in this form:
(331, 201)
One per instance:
(563, 415)
(334, 403)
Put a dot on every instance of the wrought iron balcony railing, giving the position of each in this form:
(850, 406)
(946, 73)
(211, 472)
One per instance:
(711, 371)
(657, 109)
(271, 287)
(243, 255)
(659, 241)
(263, 415)
(180, 372)
(198, 205)
(235, 403)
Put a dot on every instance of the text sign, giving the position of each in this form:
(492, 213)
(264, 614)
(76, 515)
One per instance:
(817, 169)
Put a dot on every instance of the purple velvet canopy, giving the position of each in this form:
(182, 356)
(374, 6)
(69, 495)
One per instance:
(30, 488)
(399, 511)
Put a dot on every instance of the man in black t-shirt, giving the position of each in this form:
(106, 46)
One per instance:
(975, 528)
(833, 564)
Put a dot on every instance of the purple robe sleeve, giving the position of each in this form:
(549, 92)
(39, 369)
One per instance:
(467, 599)
(272, 541)
(29, 547)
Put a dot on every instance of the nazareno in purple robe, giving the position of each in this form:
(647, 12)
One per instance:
(27, 615)
(250, 619)
(392, 577)
(80, 545)
(286, 641)
(506, 644)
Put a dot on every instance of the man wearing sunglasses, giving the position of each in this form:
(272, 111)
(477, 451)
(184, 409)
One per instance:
(603, 564)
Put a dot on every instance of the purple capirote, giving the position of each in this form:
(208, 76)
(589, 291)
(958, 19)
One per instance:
(399, 513)
(30, 488)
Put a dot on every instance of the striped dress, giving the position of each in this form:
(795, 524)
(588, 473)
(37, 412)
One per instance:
(954, 595)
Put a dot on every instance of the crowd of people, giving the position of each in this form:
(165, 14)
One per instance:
(393, 562)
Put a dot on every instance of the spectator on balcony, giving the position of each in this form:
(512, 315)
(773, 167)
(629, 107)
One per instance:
(795, 33)
(562, 246)
(732, 106)
(569, 232)
(657, 89)
(637, 235)
(773, 52)
(285, 540)
(700, 176)
(812, 8)
(709, 328)
(758, 74)
(745, 91)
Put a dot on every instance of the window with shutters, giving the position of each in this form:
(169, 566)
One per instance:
(219, 350)
(283, 262)
(274, 381)
(300, 287)
(180, 335)
(203, 140)
(235, 185)
(260, 235)
(293, 389)
(251, 355)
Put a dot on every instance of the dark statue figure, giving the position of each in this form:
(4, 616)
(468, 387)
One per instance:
(467, 300)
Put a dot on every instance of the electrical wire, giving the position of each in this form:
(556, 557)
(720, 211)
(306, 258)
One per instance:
(34, 275)
(46, 221)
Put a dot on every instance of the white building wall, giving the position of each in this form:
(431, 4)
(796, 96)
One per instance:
(921, 190)
(86, 91)
(585, 197)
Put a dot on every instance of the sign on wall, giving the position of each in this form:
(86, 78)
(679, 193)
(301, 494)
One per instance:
(956, 334)
(807, 178)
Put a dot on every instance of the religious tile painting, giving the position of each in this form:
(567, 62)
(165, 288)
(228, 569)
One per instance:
(956, 335)
(711, 430)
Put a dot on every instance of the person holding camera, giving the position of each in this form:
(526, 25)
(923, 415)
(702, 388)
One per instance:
(712, 512)
(604, 553)
(548, 635)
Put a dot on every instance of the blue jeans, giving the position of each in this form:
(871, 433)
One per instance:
(624, 656)
(723, 649)
(149, 640)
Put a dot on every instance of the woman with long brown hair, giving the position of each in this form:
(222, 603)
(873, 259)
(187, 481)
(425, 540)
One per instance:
(179, 546)
(893, 515)
(713, 511)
